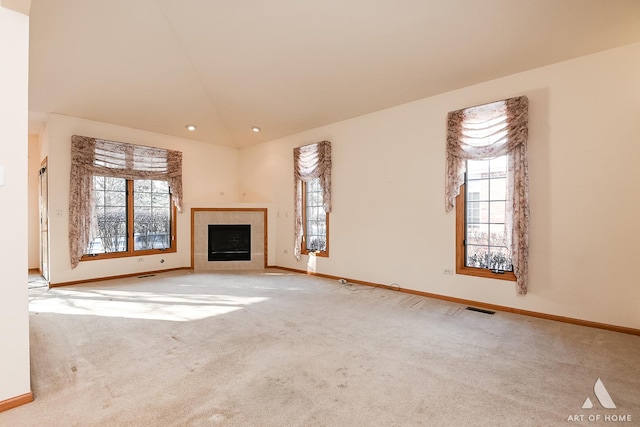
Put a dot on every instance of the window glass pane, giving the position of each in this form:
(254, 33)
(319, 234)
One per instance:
(313, 185)
(498, 188)
(485, 205)
(473, 212)
(478, 190)
(151, 215)
(98, 183)
(477, 234)
(500, 259)
(314, 199)
(497, 212)
(317, 243)
(498, 166)
(116, 198)
(141, 217)
(142, 185)
(160, 187)
(142, 199)
(477, 169)
(498, 235)
(483, 213)
(110, 207)
(477, 256)
(315, 221)
(160, 200)
(115, 184)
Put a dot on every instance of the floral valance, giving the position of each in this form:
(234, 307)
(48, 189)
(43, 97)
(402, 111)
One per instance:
(466, 142)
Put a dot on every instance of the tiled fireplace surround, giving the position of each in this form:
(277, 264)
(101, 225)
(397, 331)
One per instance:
(202, 217)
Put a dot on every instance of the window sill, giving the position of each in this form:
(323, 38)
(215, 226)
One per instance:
(112, 255)
(316, 253)
(486, 273)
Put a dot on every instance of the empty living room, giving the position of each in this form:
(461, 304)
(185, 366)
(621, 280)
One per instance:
(382, 213)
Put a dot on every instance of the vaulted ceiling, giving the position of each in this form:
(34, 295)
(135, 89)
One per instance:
(291, 65)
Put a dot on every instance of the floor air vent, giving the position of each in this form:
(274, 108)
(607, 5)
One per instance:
(480, 310)
(146, 275)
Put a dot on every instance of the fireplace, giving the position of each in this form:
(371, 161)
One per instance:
(202, 218)
(229, 242)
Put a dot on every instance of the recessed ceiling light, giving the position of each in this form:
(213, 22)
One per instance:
(256, 129)
(191, 127)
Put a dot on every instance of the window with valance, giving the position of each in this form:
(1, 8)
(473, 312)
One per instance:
(109, 176)
(312, 198)
(487, 181)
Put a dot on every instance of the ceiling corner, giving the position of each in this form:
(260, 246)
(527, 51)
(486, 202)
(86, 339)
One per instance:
(21, 6)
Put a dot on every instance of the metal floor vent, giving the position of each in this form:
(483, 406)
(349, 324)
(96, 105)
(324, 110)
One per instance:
(146, 275)
(480, 310)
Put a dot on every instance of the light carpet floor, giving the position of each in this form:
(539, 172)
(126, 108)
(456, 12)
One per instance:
(274, 348)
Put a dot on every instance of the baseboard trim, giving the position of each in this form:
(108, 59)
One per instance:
(580, 322)
(122, 276)
(23, 399)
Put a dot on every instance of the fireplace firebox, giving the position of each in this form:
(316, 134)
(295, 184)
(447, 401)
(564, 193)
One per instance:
(229, 242)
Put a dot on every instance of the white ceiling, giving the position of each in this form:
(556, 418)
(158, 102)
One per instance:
(291, 65)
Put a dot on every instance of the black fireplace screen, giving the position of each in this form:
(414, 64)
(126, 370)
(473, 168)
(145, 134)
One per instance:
(229, 242)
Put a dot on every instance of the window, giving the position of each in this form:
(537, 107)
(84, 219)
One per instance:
(142, 206)
(482, 217)
(121, 199)
(315, 220)
(312, 200)
(487, 182)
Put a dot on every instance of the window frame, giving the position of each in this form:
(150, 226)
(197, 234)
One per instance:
(303, 249)
(131, 252)
(461, 225)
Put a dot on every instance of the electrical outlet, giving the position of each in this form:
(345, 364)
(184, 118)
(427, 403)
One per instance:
(447, 271)
(140, 259)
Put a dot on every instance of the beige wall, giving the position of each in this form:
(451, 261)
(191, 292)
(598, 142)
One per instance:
(210, 178)
(389, 225)
(14, 318)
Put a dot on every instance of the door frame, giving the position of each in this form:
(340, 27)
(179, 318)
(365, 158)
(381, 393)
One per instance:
(43, 195)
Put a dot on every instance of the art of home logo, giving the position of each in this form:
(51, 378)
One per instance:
(604, 399)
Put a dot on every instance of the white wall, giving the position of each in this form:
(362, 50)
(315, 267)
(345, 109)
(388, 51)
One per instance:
(210, 178)
(389, 225)
(14, 318)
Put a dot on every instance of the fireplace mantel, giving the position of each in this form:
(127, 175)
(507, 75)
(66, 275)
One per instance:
(201, 218)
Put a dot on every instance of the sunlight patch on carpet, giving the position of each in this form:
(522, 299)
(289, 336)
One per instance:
(140, 305)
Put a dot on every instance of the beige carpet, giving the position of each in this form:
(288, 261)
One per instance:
(281, 349)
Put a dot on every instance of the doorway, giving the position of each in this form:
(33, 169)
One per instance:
(44, 220)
